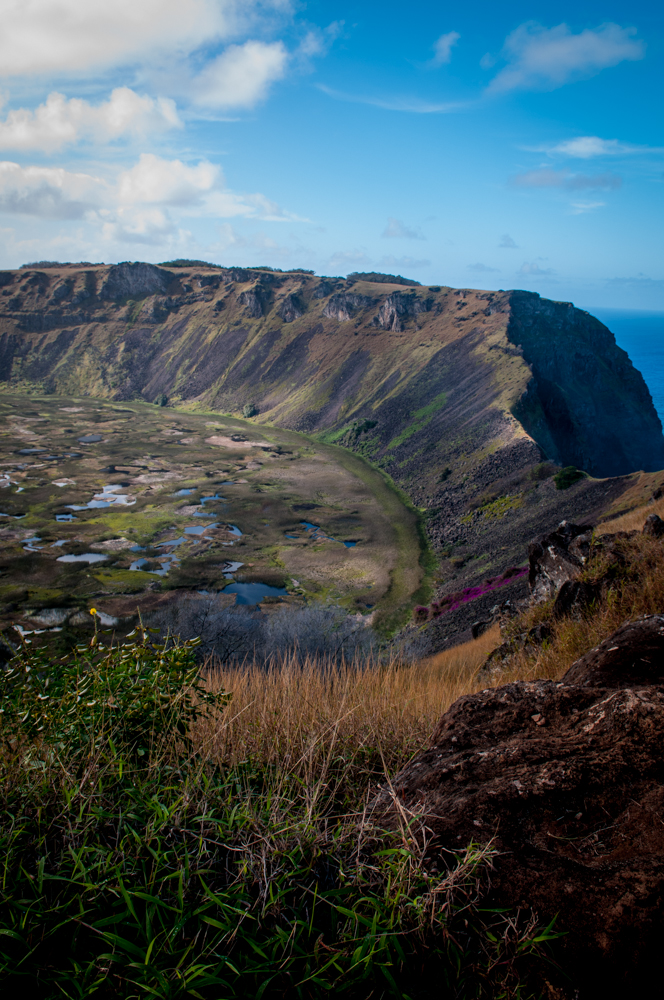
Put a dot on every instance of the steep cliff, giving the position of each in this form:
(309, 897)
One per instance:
(459, 394)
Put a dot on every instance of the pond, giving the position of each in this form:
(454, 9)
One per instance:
(253, 593)
(65, 517)
(109, 497)
(196, 530)
(87, 557)
(182, 493)
(319, 535)
(89, 439)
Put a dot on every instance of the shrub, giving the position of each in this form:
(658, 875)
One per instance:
(249, 410)
(161, 400)
(567, 477)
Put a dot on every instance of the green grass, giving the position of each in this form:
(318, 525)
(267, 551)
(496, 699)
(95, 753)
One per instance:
(420, 418)
(137, 863)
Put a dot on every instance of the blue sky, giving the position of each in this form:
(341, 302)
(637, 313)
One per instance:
(492, 145)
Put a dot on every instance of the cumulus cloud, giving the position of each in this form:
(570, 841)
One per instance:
(443, 49)
(535, 269)
(482, 268)
(48, 192)
(241, 75)
(66, 36)
(395, 229)
(167, 182)
(507, 243)
(585, 147)
(540, 58)
(59, 121)
(138, 204)
(546, 178)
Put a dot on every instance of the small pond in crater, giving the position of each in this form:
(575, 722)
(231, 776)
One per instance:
(253, 593)
(88, 557)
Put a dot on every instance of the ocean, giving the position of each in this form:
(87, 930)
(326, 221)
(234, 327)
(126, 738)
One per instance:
(641, 334)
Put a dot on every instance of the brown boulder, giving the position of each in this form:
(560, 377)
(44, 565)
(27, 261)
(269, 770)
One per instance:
(653, 526)
(568, 778)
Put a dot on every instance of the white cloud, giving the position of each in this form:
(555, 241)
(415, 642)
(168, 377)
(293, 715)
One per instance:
(542, 58)
(535, 269)
(393, 104)
(443, 49)
(395, 229)
(60, 121)
(585, 147)
(69, 36)
(482, 268)
(154, 180)
(241, 75)
(48, 192)
(546, 178)
(582, 207)
(507, 243)
(138, 205)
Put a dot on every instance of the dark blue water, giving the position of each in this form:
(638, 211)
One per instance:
(253, 593)
(641, 334)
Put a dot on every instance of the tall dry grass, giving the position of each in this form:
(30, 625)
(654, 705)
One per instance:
(309, 718)
(633, 521)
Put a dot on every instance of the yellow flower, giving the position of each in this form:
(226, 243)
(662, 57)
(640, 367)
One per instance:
(93, 611)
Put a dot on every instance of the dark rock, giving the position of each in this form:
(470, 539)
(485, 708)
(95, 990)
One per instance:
(345, 305)
(573, 596)
(654, 526)
(556, 558)
(253, 300)
(135, 280)
(632, 657)
(398, 307)
(290, 308)
(479, 628)
(567, 779)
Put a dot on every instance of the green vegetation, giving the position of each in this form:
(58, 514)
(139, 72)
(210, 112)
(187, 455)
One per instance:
(386, 279)
(420, 418)
(567, 477)
(143, 856)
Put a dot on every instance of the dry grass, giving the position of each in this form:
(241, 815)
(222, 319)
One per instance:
(302, 715)
(633, 521)
(631, 587)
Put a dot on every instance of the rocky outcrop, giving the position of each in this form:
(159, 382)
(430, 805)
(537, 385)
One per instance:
(567, 780)
(586, 405)
(557, 558)
(345, 305)
(134, 280)
(397, 308)
(290, 308)
(252, 300)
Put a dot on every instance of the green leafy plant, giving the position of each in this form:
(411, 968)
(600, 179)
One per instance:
(567, 477)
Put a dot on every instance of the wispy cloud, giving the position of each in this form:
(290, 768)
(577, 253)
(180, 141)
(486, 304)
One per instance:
(586, 147)
(443, 49)
(395, 229)
(402, 263)
(394, 104)
(534, 269)
(540, 58)
(507, 243)
(546, 178)
(482, 268)
(583, 207)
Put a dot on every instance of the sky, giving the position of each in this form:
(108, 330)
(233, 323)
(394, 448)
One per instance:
(488, 146)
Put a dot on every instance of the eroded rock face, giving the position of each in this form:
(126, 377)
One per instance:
(138, 279)
(568, 778)
(398, 307)
(557, 558)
